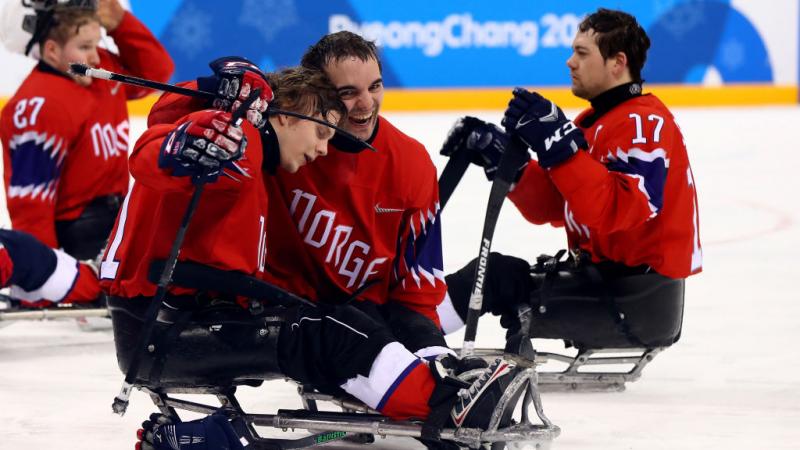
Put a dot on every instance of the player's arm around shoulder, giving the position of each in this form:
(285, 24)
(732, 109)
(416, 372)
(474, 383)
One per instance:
(140, 52)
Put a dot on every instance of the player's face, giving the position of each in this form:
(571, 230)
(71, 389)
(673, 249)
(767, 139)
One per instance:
(80, 48)
(360, 86)
(590, 72)
(302, 141)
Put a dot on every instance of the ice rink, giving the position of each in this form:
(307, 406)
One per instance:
(732, 382)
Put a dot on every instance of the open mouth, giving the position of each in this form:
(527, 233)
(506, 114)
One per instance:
(360, 119)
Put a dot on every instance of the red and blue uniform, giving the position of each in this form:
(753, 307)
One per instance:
(228, 231)
(67, 144)
(355, 218)
(630, 197)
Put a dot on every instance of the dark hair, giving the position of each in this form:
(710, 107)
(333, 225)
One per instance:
(305, 91)
(337, 46)
(619, 31)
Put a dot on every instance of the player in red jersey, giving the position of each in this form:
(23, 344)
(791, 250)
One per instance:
(333, 347)
(363, 224)
(66, 137)
(617, 178)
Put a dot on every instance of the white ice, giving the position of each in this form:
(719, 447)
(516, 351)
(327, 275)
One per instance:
(732, 381)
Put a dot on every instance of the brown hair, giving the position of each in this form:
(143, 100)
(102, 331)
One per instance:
(337, 46)
(68, 22)
(618, 31)
(305, 91)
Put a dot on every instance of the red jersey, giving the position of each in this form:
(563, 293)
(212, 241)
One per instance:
(348, 219)
(227, 230)
(630, 197)
(67, 144)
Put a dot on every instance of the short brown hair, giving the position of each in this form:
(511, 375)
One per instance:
(618, 31)
(305, 91)
(337, 46)
(68, 22)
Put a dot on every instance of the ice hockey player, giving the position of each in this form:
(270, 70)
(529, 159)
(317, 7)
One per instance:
(333, 347)
(66, 137)
(363, 224)
(617, 178)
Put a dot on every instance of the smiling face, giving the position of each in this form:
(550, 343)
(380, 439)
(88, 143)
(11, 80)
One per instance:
(591, 74)
(302, 141)
(360, 87)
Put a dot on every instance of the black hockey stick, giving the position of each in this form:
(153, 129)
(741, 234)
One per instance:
(451, 175)
(143, 345)
(460, 157)
(515, 155)
(86, 71)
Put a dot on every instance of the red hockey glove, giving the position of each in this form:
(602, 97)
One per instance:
(204, 144)
(233, 80)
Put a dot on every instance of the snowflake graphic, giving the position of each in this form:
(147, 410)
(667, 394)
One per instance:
(732, 53)
(268, 17)
(683, 18)
(191, 30)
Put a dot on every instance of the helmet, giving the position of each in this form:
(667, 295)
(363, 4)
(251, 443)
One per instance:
(36, 25)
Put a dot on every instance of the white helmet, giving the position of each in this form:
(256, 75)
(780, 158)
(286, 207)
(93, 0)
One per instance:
(23, 23)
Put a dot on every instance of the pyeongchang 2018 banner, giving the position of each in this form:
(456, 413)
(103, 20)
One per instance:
(470, 43)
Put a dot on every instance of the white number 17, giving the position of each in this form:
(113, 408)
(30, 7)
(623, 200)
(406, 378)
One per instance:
(640, 139)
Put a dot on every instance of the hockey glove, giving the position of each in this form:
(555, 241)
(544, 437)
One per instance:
(507, 283)
(543, 127)
(204, 144)
(233, 80)
(212, 432)
(485, 141)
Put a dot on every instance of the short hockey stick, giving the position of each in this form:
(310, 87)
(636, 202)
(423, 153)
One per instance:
(143, 344)
(515, 155)
(86, 71)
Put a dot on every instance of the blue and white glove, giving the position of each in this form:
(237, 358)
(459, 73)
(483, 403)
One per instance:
(543, 127)
(485, 141)
(213, 432)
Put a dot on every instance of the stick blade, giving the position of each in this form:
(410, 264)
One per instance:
(78, 69)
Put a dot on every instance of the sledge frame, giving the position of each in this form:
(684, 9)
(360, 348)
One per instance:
(357, 422)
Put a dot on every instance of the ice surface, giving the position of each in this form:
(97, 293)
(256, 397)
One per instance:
(733, 381)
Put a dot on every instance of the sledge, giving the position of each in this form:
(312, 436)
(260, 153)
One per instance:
(358, 423)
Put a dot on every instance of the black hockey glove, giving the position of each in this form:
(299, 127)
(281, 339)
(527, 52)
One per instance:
(202, 145)
(543, 127)
(507, 284)
(212, 432)
(486, 143)
(233, 80)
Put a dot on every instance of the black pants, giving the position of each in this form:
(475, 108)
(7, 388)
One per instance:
(203, 343)
(85, 237)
